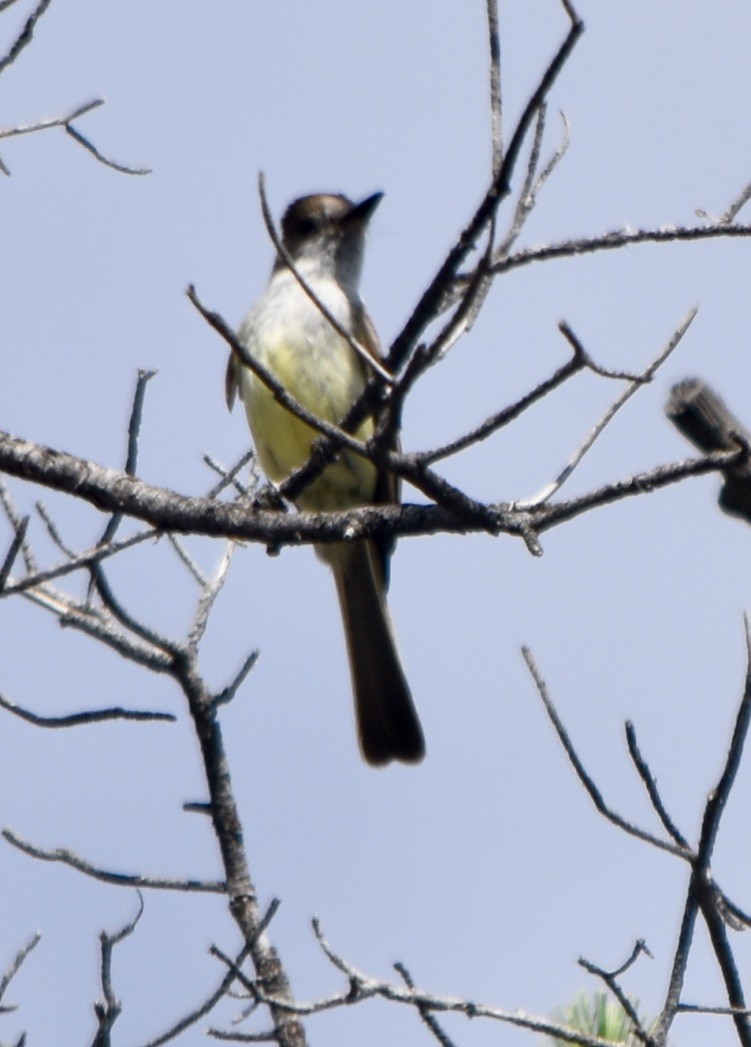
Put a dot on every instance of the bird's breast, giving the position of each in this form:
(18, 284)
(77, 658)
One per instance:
(287, 333)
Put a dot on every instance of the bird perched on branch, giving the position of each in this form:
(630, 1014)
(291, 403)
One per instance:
(287, 332)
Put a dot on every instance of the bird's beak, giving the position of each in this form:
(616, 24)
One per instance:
(362, 213)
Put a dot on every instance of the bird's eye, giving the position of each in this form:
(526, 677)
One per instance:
(307, 226)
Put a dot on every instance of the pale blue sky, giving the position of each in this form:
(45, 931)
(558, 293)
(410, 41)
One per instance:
(485, 870)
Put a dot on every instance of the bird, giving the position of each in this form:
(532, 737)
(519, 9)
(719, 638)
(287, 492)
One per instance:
(323, 234)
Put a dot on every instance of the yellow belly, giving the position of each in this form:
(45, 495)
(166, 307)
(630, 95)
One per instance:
(323, 373)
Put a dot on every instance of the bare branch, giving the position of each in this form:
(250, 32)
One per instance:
(211, 590)
(229, 477)
(193, 569)
(161, 644)
(67, 857)
(52, 530)
(471, 298)
(16, 522)
(496, 105)
(231, 690)
(166, 510)
(733, 209)
(25, 36)
(731, 913)
(239, 1037)
(131, 461)
(610, 979)
(702, 895)
(77, 719)
(53, 121)
(613, 241)
(108, 1011)
(203, 1008)
(17, 963)
(77, 562)
(361, 987)
(611, 412)
(718, 798)
(98, 578)
(88, 621)
(528, 196)
(664, 475)
(694, 1008)
(701, 890)
(442, 284)
(66, 123)
(502, 418)
(19, 535)
(594, 793)
(726, 962)
(429, 1020)
(91, 148)
(651, 786)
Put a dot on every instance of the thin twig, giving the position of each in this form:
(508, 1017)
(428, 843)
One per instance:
(701, 893)
(504, 417)
(551, 515)
(731, 212)
(610, 979)
(203, 1008)
(53, 121)
(533, 186)
(442, 283)
(67, 857)
(651, 786)
(91, 148)
(65, 122)
(52, 530)
(360, 988)
(131, 460)
(732, 913)
(211, 590)
(19, 536)
(78, 719)
(701, 878)
(594, 793)
(527, 197)
(94, 625)
(613, 241)
(79, 561)
(108, 1011)
(231, 689)
(429, 1020)
(229, 476)
(25, 36)
(552, 488)
(162, 644)
(496, 101)
(695, 1008)
(16, 522)
(17, 962)
(187, 560)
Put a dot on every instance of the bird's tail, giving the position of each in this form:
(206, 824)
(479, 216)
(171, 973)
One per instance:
(387, 724)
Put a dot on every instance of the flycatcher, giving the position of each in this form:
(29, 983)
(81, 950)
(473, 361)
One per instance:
(286, 331)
